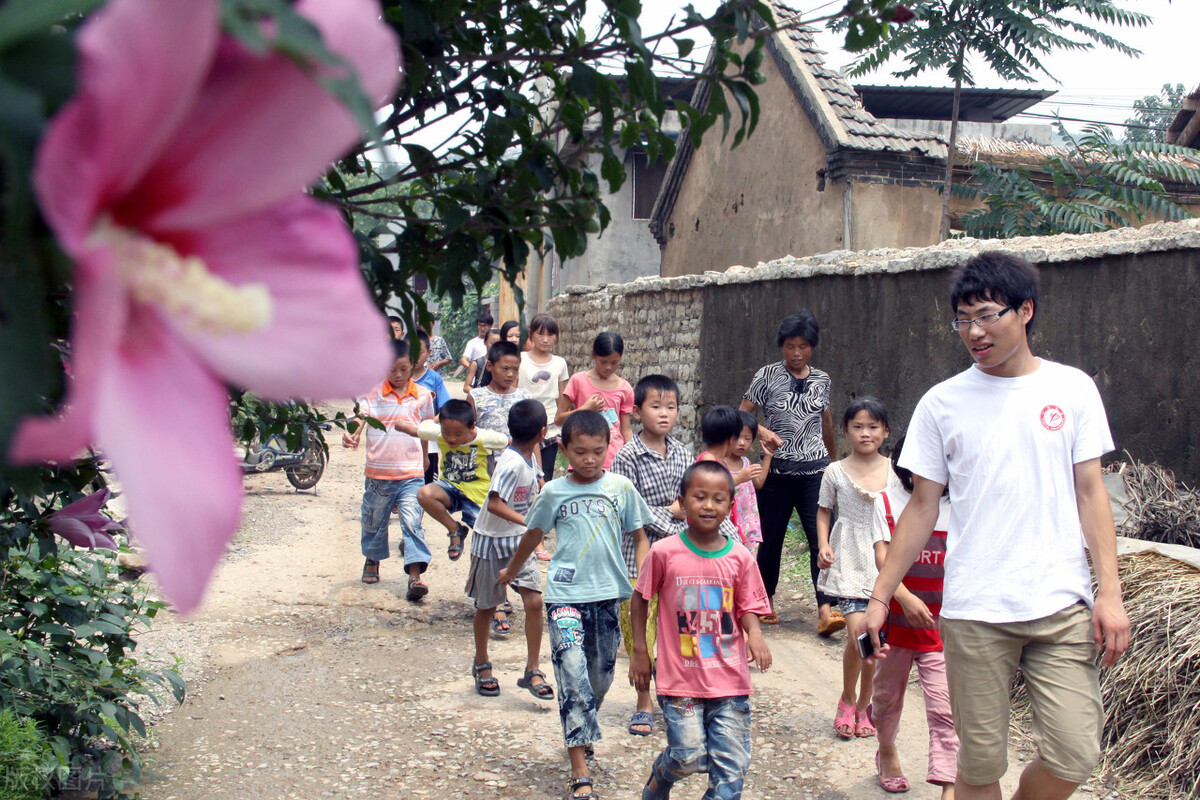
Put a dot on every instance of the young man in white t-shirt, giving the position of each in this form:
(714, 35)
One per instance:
(477, 347)
(1018, 439)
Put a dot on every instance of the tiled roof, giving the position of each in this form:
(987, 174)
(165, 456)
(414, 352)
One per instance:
(862, 131)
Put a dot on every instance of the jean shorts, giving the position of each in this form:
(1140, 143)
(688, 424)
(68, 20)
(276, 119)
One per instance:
(852, 605)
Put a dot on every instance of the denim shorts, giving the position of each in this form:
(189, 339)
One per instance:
(460, 502)
(704, 734)
(851, 605)
(584, 638)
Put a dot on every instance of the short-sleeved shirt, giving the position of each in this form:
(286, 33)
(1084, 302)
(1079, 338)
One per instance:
(542, 382)
(465, 466)
(792, 409)
(924, 578)
(393, 455)
(515, 481)
(1007, 447)
(853, 572)
(617, 401)
(474, 349)
(589, 520)
(434, 383)
(438, 350)
(702, 596)
(491, 408)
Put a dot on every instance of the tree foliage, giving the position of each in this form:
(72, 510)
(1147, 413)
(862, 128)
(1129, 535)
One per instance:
(1009, 36)
(1152, 114)
(1097, 183)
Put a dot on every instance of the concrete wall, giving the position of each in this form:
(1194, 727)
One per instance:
(1109, 306)
(883, 215)
(758, 201)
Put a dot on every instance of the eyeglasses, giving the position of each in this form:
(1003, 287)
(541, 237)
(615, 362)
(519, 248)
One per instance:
(982, 320)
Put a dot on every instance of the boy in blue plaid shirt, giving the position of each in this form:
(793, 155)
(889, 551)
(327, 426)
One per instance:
(498, 531)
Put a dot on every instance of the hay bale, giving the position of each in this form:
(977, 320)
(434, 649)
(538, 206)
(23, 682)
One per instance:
(1151, 742)
(1160, 509)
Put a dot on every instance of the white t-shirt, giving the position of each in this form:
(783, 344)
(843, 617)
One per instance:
(474, 349)
(515, 480)
(1007, 448)
(542, 381)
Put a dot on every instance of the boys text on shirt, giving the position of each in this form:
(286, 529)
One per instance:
(702, 596)
(542, 382)
(393, 455)
(792, 408)
(616, 402)
(926, 576)
(515, 481)
(1007, 447)
(491, 408)
(465, 466)
(853, 572)
(589, 520)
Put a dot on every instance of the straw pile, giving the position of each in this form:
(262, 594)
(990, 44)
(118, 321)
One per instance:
(1160, 510)
(1151, 743)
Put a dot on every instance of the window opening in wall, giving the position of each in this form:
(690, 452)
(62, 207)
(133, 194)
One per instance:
(647, 180)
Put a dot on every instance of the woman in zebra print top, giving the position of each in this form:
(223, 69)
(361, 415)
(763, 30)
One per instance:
(794, 400)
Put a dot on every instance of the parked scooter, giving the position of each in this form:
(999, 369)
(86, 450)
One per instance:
(303, 467)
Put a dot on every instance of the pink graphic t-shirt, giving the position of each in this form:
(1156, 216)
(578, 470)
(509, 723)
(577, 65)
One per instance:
(617, 401)
(702, 596)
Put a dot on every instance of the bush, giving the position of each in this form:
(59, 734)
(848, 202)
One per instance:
(25, 758)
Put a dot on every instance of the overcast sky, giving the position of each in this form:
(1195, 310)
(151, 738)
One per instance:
(1098, 85)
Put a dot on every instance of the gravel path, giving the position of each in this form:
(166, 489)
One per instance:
(306, 683)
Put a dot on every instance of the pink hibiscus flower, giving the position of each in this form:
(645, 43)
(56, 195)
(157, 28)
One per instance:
(82, 524)
(174, 180)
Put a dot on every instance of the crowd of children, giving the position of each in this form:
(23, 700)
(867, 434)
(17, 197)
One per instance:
(654, 547)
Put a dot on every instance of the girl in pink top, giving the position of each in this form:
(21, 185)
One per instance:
(749, 478)
(602, 389)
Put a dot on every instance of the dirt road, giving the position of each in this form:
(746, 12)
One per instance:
(306, 683)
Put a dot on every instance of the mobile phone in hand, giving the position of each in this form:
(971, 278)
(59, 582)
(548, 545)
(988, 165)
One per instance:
(865, 648)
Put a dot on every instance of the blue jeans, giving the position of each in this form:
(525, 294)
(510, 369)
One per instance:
(378, 499)
(584, 638)
(710, 734)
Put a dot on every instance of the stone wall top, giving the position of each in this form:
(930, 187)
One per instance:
(1156, 237)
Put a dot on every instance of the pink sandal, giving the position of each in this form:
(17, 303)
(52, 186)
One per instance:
(864, 727)
(897, 784)
(843, 723)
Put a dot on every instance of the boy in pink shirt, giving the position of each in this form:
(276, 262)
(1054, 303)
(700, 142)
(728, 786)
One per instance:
(710, 598)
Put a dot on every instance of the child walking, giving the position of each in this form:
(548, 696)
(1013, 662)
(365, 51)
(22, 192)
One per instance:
(428, 377)
(745, 495)
(846, 555)
(602, 389)
(498, 529)
(544, 375)
(591, 509)
(493, 401)
(710, 597)
(913, 638)
(395, 470)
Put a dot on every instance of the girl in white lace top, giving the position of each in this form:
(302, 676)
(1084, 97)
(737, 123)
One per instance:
(846, 555)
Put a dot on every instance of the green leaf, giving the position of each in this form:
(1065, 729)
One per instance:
(21, 19)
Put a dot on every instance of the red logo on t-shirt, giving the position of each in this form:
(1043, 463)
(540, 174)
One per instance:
(1053, 418)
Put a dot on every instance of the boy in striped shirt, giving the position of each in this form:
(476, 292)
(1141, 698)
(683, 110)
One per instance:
(395, 471)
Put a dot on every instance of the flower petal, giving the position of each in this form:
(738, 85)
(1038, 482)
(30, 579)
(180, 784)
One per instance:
(326, 339)
(176, 463)
(101, 307)
(141, 64)
(80, 534)
(263, 127)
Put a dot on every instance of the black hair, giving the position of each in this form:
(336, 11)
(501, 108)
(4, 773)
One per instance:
(402, 348)
(654, 383)
(544, 322)
(749, 421)
(501, 349)
(872, 405)
(719, 425)
(484, 318)
(423, 336)
(802, 324)
(997, 277)
(457, 411)
(713, 467)
(584, 422)
(492, 332)
(607, 343)
(526, 420)
(905, 475)
(506, 327)
(392, 318)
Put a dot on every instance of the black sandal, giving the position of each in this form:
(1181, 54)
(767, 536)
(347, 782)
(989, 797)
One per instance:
(488, 687)
(416, 590)
(575, 784)
(455, 550)
(542, 691)
(370, 571)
